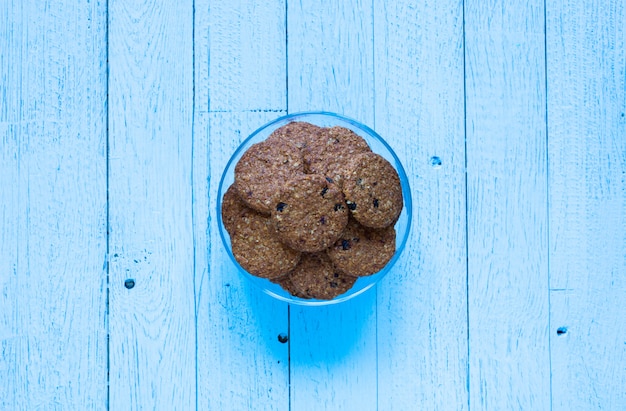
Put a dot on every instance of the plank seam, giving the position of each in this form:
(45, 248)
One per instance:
(286, 111)
(193, 185)
(108, 219)
(243, 111)
(545, 79)
(289, 356)
(467, 299)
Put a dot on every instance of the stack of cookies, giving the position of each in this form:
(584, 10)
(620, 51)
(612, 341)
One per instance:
(312, 209)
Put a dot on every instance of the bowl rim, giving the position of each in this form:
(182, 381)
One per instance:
(406, 194)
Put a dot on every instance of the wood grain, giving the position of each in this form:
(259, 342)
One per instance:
(330, 58)
(422, 303)
(330, 67)
(587, 203)
(247, 55)
(52, 206)
(588, 347)
(152, 325)
(239, 86)
(511, 292)
(506, 205)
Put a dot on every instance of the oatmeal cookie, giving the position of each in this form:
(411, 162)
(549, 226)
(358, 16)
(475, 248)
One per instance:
(257, 249)
(262, 169)
(309, 213)
(331, 151)
(232, 209)
(299, 133)
(373, 191)
(316, 277)
(362, 251)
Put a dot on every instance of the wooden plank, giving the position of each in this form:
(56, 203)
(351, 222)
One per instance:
(422, 314)
(586, 56)
(507, 207)
(152, 325)
(201, 61)
(330, 67)
(329, 58)
(242, 364)
(241, 82)
(588, 347)
(246, 55)
(587, 129)
(11, 344)
(52, 205)
(201, 220)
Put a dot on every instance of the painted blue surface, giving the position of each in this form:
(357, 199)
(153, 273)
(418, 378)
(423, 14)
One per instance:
(116, 122)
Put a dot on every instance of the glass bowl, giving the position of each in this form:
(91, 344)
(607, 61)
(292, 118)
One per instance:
(377, 144)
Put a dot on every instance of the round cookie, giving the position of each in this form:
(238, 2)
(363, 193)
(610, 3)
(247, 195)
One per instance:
(232, 209)
(262, 170)
(362, 251)
(299, 133)
(373, 191)
(309, 213)
(257, 250)
(329, 154)
(315, 277)
(287, 285)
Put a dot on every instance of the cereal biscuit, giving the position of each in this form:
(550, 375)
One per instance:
(257, 250)
(373, 191)
(262, 169)
(330, 153)
(316, 277)
(309, 213)
(232, 209)
(299, 133)
(362, 251)
(287, 285)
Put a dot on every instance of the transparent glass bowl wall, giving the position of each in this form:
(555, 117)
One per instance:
(377, 144)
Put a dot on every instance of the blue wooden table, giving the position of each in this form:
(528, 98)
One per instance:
(117, 118)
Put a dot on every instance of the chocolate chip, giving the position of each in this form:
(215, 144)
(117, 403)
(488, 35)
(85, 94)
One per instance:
(323, 219)
(336, 275)
(330, 180)
(333, 284)
(351, 205)
(375, 203)
(345, 244)
(280, 206)
(324, 191)
(338, 207)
